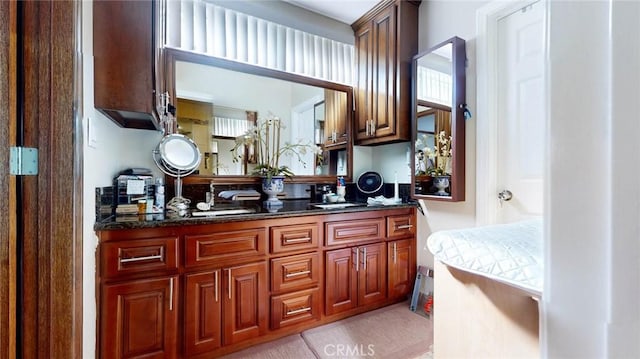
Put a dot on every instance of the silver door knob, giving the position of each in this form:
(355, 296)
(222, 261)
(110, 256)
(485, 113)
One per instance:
(505, 195)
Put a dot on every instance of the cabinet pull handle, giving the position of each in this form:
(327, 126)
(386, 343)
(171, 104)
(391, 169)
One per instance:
(301, 310)
(297, 240)
(357, 258)
(395, 253)
(295, 274)
(145, 258)
(229, 282)
(368, 128)
(405, 226)
(373, 128)
(171, 294)
(364, 258)
(216, 284)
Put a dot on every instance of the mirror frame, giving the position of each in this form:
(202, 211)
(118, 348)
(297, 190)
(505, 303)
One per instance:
(458, 106)
(171, 56)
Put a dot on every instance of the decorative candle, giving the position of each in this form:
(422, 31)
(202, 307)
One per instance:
(396, 193)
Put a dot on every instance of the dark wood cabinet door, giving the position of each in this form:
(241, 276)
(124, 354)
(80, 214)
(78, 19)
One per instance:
(384, 73)
(341, 285)
(376, 76)
(335, 130)
(364, 80)
(245, 302)
(140, 319)
(372, 274)
(386, 41)
(202, 312)
(401, 267)
(124, 62)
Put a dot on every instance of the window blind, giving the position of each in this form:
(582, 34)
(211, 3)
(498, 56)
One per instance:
(434, 86)
(205, 28)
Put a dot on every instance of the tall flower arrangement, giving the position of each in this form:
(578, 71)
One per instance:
(265, 139)
(436, 159)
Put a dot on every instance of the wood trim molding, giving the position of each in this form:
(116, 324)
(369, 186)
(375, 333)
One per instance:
(51, 246)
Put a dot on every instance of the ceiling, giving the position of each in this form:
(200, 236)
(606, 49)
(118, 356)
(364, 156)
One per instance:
(346, 11)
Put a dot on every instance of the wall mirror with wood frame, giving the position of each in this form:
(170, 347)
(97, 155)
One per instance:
(438, 122)
(218, 100)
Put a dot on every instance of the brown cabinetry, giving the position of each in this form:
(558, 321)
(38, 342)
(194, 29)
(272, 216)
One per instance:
(203, 312)
(207, 290)
(386, 41)
(401, 267)
(295, 279)
(335, 119)
(224, 306)
(124, 61)
(139, 318)
(245, 302)
(355, 276)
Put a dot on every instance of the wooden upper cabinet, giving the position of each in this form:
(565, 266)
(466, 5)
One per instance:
(124, 61)
(386, 39)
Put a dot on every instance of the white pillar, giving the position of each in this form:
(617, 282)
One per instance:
(592, 244)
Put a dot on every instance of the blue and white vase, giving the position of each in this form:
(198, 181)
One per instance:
(272, 187)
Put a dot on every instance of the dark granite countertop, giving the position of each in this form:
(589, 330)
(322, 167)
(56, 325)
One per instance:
(261, 210)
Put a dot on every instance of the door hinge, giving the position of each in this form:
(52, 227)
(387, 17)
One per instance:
(23, 161)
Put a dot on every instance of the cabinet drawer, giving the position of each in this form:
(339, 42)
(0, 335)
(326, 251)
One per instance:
(294, 237)
(294, 308)
(211, 248)
(139, 256)
(294, 272)
(401, 226)
(344, 232)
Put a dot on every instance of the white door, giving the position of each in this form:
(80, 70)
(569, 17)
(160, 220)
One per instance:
(521, 113)
(302, 130)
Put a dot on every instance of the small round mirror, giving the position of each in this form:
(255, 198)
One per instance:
(179, 152)
(177, 156)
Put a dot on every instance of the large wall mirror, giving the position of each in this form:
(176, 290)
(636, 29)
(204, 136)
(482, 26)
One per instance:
(438, 122)
(218, 100)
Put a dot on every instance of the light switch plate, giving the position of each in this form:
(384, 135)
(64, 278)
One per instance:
(92, 137)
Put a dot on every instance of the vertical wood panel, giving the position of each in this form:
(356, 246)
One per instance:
(51, 243)
(8, 30)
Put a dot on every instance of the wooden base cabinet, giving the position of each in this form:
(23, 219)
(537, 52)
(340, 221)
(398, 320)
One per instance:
(246, 302)
(355, 276)
(202, 312)
(139, 318)
(224, 306)
(202, 291)
(401, 267)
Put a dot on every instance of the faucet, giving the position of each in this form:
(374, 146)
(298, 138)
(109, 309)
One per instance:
(326, 189)
(211, 195)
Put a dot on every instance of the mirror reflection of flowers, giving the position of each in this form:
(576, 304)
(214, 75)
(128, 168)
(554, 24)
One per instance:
(265, 138)
(436, 160)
